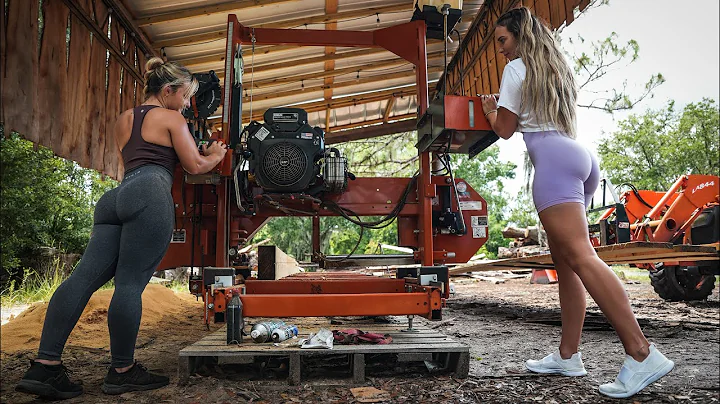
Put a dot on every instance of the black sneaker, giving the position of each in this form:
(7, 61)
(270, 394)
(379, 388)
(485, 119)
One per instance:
(48, 381)
(135, 379)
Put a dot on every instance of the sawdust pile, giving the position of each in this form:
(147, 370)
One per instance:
(160, 304)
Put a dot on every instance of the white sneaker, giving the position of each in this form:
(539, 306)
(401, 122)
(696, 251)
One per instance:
(555, 364)
(635, 376)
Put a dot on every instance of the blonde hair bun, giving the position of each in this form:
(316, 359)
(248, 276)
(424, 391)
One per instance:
(159, 73)
(152, 65)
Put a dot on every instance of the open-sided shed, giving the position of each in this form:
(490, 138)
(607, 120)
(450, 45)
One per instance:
(69, 67)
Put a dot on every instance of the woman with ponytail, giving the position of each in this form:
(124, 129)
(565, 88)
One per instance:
(538, 98)
(131, 232)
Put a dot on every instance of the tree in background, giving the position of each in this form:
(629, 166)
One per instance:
(651, 150)
(46, 201)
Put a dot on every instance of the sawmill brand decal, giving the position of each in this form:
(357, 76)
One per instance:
(470, 205)
(262, 133)
(703, 186)
(479, 226)
(178, 236)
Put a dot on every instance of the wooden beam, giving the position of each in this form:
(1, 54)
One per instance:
(90, 24)
(220, 56)
(121, 14)
(389, 107)
(191, 12)
(318, 19)
(345, 101)
(384, 64)
(274, 264)
(349, 83)
(371, 131)
(191, 63)
(369, 122)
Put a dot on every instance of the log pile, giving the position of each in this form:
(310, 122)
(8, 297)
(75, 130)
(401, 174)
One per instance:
(527, 242)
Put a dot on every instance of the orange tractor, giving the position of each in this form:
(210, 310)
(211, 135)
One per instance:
(688, 213)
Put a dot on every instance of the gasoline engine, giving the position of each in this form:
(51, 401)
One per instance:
(285, 155)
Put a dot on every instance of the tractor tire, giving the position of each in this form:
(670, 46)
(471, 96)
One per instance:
(675, 284)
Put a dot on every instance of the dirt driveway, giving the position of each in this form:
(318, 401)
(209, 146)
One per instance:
(504, 324)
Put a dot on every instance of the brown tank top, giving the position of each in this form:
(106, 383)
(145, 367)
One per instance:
(137, 152)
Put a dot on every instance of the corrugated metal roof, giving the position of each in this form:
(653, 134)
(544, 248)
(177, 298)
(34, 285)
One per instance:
(192, 35)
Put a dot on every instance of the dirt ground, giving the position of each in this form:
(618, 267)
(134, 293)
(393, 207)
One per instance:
(503, 324)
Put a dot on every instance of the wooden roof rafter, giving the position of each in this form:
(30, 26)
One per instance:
(374, 66)
(190, 12)
(298, 22)
(343, 84)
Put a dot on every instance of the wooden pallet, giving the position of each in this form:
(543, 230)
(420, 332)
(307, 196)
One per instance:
(424, 345)
(626, 253)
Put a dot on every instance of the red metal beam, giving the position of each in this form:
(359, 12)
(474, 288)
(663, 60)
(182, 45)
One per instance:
(367, 304)
(318, 286)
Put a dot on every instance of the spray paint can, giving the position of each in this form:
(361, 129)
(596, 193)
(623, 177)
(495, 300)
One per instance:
(262, 332)
(233, 319)
(284, 332)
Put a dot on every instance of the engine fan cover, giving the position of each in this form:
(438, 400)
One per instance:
(284, 164)
(285, 151)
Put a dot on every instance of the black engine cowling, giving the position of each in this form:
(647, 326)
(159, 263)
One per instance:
(285, 151)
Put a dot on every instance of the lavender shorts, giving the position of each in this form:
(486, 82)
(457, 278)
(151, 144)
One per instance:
(565, 171)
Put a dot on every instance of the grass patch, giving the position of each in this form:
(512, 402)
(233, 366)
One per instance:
(40, 288)
(34, 287)
(179, 287)
(631, 273)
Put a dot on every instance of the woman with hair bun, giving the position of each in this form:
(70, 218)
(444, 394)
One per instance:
(538, 98)
(131, 232)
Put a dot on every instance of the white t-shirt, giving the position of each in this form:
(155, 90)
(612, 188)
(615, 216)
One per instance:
(511, 98)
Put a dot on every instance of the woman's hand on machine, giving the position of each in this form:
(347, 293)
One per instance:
(489, 103)
(217, 147)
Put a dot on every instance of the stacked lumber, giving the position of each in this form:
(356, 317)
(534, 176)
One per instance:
(626, 253)
(527, 242)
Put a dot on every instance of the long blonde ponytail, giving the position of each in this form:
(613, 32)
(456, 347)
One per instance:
(549, 89)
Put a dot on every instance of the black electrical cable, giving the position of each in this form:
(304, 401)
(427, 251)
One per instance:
(637, 194)
(378, 224)
(362, 232)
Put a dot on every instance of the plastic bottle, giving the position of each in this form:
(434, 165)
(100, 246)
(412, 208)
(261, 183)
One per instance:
(262, 332)
(233, 318)
(285, 332)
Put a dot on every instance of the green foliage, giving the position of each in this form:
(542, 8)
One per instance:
(652, 149)
(522, 211)
(603, 57)
(34, 287)
(486, 173)
(46, 201)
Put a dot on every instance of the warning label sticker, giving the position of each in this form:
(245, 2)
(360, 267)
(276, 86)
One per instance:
(178, 236)
(262, 133)
(476, 221)
(479, 232)
(470, 205)
(479, 226)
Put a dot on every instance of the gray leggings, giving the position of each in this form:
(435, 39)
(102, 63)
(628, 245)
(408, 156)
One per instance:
(131, 233)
